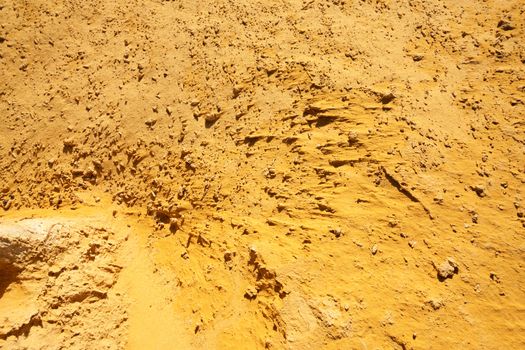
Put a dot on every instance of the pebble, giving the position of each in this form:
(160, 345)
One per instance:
(373, 250)
(417, 57)
(479, 189)
(69, 142)
(337, 232)
(447, 269)
(353, 138)
(387, 98)
(436, 304)
(150, 122)
(251, 293)
(505, 25)
(212, 117)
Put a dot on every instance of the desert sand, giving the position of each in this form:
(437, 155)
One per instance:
(295, 174)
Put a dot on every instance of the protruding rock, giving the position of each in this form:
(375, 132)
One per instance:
(505, 25)
(387, 98)
(150, 122)
(436, 304)
(251, 293)
(447, 269)
(337, 232)
(417, 57)
(479, 189)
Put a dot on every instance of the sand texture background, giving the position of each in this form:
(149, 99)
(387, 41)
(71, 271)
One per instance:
(293, 174)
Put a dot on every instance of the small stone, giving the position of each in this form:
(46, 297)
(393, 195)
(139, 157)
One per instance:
(77, 172)
(251, 293)
(174, 224)
(494, 277)
(237, 89)
(337, 232)
(212, 117)
(373, 250)
(479, 189)
(412, 244)
(387, 98)
(169, 110)
(505, 25)
(352, 138)
(150, 122)
(69, 142)
(228, 256)
(417, 57)
(447, 269)
(438, 199)
(436, 304)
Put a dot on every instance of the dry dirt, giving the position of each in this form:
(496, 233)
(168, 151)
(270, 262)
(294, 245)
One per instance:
(295, 174)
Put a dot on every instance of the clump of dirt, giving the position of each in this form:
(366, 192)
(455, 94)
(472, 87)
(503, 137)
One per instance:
(298, 174)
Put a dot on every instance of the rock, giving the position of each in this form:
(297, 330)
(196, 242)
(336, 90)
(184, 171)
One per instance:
(24, 242)
(412, 244)
(251, 293)
(373, 250)
(436, 304)
(387, 98)
(228, 256)
(505, 25)
(417, 57)
(77, 172)
(269, 173)
(174, 224)
(480, 190)
(150, 122)
(69, 143)
(447, 269)
(494, 277)
(337, 232)
(352, 138)
(237, 89)
(212, 117)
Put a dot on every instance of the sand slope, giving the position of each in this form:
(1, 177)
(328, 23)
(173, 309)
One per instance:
(281, 174)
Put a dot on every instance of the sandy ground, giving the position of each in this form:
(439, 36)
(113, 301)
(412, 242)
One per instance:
(318, 174)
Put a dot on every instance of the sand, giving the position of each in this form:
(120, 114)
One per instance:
(322, 174)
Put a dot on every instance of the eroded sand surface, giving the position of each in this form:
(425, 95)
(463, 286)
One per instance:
(317, 174)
